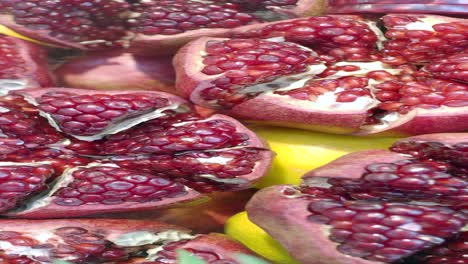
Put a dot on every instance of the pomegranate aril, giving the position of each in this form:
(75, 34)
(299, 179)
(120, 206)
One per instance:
(454, 67)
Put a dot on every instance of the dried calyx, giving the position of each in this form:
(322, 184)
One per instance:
(406, 205)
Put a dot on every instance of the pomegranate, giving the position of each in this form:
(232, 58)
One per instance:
(24, 65)
(118, 151)
(392, 6)
(399, 206)
(117, 71)
(109, 241)
(282, 83)
(143, 25)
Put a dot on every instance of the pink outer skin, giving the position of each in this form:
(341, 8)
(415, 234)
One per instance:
(190, 81)
(284, 112)
(169, 44)
(39, 35)
(118, 71)
(419, 121)
(446, 138)
(52, 210)
(285, 219)
(391, 6)
(304, 8)
(353, 165)
(36, 58)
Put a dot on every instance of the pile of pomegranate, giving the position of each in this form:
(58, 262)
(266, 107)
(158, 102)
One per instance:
(119, 106)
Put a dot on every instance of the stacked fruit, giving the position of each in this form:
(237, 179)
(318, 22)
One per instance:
(113, 106)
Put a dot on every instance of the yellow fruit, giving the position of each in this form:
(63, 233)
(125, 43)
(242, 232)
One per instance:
(240, 228)
(299, 151)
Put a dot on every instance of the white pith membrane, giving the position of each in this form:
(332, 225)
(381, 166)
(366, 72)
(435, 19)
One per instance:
(63, 180)
(7, 85)
(144, 238)
(131, 239)
(117, 125)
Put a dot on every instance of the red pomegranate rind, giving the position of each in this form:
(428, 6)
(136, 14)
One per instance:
(319, 220)
(94, 25)
(169, 24)
(214, 248)
(215, 132)
(422, 38)
(98, 71)
(90, 115)
(24, 65)
(454, 67)
(392, 6)
(227, 67)
(339, 37)
(19, 181)
(105, 240)
(105, 188)
(206, 171)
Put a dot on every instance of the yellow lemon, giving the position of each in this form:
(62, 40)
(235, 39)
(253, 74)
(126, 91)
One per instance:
(299, 151)
(240, 228)
(9, 32)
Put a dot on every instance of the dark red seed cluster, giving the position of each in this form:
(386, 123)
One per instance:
(170, 17)
(112, 185)
(92, 23)
(454, 67)
(154, 137)
(86, 115)
(454, 251)
(407, 44)
(384, 231)
(19, 181)
(245, 62)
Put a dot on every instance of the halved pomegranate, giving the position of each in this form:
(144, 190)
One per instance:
(157, 153)
(115, 70)
(109, 241)
(400, 206)
(24, 65)
(283, 83)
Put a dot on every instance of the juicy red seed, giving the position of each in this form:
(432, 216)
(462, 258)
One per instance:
(170, 17)
(87, 115)
(118, 187)
(454, 67)
(94, 24)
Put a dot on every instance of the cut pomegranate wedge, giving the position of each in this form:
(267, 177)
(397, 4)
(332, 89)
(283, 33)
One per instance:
(94, 24)
(400, 206)
(283, 83)
(24, 65)
(422, 38)
(109, 241)
(159, 152)
(90, 115)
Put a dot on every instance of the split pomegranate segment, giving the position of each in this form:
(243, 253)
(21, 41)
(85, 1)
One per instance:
(158, 152)
(109, 241)
(282, 83)
(377, 206)
(24, 65)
